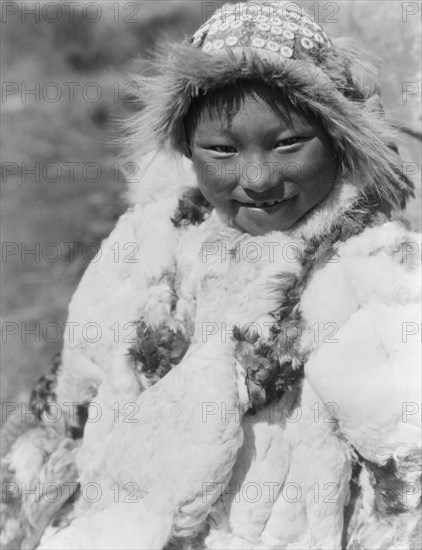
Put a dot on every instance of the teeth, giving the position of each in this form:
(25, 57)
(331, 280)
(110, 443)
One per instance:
(267, 203)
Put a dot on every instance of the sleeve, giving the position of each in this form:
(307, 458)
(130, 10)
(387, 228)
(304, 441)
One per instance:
(370, 366)
(131, 276)
(368, 374)
(371, 374)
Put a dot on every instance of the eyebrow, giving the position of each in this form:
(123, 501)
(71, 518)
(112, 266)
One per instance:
(210, 132)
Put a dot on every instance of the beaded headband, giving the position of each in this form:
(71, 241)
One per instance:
(272, 28)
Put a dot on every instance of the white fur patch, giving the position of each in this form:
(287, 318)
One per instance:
(157, 175)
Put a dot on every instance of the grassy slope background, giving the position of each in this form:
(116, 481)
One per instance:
(36, 292)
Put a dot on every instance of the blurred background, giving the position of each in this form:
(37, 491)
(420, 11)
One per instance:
(66, 87)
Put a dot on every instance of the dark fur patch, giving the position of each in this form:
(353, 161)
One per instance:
(77, 431)
(192, 542)
(355, 493)
(157, 350)
(192, 208)
(42, 394)
(388, 487)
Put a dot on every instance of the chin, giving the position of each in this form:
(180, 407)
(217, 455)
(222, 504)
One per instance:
(265, 225)
(262, 229)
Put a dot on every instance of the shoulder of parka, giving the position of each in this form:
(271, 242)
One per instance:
(138, 254)
(363, 316)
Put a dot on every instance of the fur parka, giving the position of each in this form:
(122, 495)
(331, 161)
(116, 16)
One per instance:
(182, 447)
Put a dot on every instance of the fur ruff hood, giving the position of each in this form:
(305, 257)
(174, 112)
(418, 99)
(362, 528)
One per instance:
(342, 93)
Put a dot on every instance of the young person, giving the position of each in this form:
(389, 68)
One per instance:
(268, 400)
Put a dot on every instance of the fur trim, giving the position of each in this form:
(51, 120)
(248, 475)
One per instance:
(335, 92)
(156, 351)
(193, 208)
(155, 176)
(274, 365)
(42, 394)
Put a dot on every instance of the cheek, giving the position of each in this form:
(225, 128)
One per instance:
(318, 170)
(213, 181)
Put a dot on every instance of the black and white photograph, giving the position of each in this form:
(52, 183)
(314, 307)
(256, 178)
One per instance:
(211, 275)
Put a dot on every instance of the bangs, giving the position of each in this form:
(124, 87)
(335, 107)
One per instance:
(227, 100)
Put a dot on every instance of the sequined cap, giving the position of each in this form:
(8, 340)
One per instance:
(274, 28)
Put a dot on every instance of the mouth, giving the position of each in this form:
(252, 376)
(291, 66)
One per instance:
(266, 205)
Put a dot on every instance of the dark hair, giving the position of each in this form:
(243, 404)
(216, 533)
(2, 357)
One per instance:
(228, 99)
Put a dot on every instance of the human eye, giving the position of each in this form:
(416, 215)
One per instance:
(225, 149)
(287, 142)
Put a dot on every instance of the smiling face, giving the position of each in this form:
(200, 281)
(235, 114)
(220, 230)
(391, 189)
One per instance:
(260, 169)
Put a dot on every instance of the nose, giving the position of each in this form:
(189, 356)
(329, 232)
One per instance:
(259, 176)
